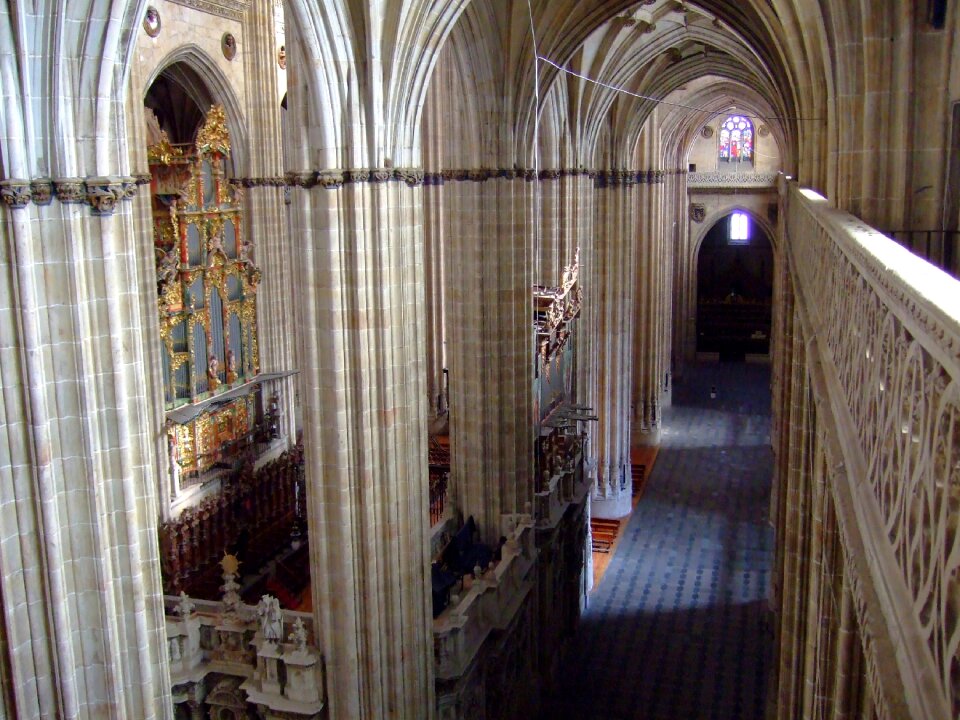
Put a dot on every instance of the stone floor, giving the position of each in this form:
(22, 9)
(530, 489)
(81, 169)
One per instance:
(678, 628)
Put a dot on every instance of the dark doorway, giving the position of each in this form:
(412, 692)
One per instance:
(734, 289)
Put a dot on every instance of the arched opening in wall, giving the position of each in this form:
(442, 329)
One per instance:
(734, 289)
(178, 99)
(236, 484)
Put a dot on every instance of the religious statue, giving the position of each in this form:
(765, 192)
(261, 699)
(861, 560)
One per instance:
(213, 372)
(168, 265)
(271, 618)
(186, 606)
(299, 636)
(231, 596)
(231, 367)
(215, 247)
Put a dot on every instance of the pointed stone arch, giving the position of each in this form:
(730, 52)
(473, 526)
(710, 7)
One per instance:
(202, 80)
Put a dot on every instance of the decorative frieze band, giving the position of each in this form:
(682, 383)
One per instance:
(230, 9)
(101, 193)
(330, 179)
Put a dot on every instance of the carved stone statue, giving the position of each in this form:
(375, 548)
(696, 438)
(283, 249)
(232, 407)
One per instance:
(299, 636)
(186, 606)
(271, 618)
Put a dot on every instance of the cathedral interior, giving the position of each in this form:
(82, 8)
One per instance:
(354, 351)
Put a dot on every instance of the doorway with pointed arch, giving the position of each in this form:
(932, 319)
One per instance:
(735, 290)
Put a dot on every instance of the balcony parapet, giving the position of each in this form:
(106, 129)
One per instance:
(883, 351)
(247, 650)
(488, 603)
(715, 179)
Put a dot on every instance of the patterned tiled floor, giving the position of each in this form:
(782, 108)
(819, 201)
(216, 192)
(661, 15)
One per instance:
(677, 629)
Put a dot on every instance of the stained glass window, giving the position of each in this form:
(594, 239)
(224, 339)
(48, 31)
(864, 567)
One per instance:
(736, 140)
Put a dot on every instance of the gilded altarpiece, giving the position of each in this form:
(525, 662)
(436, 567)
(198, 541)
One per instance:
(206, 294)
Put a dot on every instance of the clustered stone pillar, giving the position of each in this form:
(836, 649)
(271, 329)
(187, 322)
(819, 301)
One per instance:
(435, 260)
(82, 624)
(609, 286)
(651, 281)
(265, 216)
(490, 343)
(361, 319)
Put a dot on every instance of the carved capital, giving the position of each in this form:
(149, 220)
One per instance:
(15, 193)
(331, 179)
(411, 176)
(103, 194)
(432, 178)
(549, 174)
(69, 190)
(41, 191)
(507, 173)
(129, 186)
(304, 179)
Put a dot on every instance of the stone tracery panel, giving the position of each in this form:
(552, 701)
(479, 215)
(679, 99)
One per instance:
(896, 356)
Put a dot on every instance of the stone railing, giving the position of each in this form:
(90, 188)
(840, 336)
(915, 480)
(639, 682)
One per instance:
(230, 658)
(718, 179)
(487, 603)
(884, 328)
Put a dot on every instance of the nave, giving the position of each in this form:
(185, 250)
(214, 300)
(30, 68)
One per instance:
(678, 626)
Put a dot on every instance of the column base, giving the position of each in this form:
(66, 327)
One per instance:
(613, 508)
(645, 438)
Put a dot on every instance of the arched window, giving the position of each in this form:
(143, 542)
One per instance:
(736, 140)
(739, 229)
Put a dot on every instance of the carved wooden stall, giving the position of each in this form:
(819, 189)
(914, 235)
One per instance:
(439, 467)
(255, 517)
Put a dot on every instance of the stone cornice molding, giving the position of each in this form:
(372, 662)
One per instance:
(101, 193)
(230, 9)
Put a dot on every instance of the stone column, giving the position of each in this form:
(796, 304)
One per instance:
(490, 344)
(83, 622)
(609, 285)
(434, 253)
(266, 215)
(648, 304)
(361, 315)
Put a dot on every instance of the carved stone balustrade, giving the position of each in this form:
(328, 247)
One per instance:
(488, 603)
(207, 643)
(875, 331)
